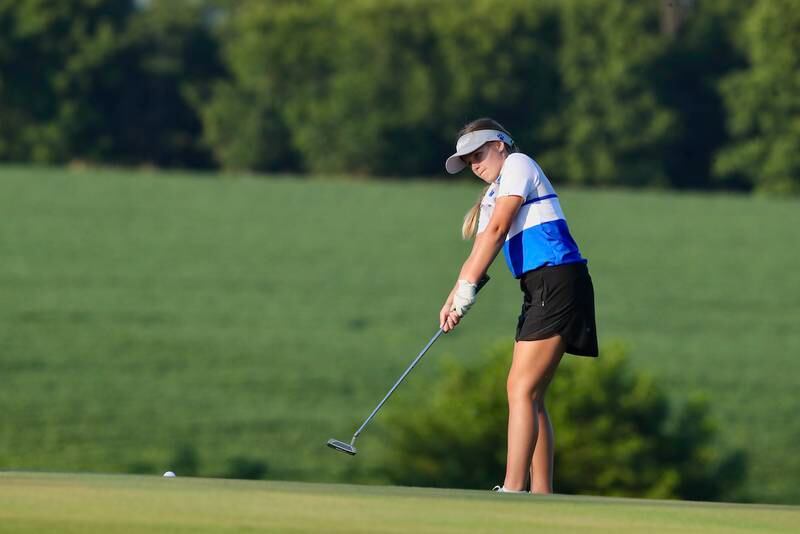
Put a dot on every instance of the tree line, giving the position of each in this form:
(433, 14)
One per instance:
(694, 94)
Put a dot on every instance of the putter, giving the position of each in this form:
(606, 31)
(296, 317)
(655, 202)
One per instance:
(350, 448)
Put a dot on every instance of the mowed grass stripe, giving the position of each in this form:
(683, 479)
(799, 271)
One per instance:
(79, 503)
(141, 312)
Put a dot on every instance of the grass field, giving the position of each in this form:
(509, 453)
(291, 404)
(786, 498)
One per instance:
(251, 318)
(125, 503)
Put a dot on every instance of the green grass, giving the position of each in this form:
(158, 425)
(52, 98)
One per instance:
(118, 504)
(258, 318)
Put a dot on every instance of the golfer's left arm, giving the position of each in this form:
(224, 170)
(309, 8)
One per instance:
(487, 244)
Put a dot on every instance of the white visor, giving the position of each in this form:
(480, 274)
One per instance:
(470, 142)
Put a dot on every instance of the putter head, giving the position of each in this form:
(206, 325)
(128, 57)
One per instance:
(342, 446)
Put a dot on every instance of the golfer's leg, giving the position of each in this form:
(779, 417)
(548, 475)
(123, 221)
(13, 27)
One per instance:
(541, 475)
(542, 465)
(532, 362)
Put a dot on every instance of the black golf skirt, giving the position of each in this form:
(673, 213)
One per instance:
(559, 300)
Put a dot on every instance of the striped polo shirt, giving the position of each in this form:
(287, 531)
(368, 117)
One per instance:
(539, 234)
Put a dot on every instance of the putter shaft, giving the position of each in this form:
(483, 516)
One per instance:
(399, 380)
(350, 448)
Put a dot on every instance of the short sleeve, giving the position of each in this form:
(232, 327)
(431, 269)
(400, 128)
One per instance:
(483, 218)
(517, 176)
(486, 209)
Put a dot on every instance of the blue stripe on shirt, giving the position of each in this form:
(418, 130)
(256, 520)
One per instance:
(548, 243)
(537, 199)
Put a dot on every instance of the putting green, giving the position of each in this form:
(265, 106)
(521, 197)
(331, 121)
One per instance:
(34, 502)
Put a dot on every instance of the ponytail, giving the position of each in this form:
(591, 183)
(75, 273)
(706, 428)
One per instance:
(470, 226)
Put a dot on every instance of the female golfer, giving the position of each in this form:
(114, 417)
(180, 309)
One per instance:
(519, 212)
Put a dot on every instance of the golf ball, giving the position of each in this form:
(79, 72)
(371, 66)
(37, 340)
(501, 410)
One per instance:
(169, 474)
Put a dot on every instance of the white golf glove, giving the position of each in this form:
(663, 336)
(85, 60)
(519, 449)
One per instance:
(464, 297)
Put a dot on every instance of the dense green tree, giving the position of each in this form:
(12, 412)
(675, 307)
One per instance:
(686, 76)
(103, 80)
(142, 105)
(279, 55)
(358, 88)
(498, 59)
(50, 57)
(377, 113)
(763, 102)
(244, 131)
(612, 129)
(616, 433)
(348, 82)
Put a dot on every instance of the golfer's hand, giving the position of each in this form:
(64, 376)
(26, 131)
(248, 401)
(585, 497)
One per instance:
(448, 319)
(451, 321)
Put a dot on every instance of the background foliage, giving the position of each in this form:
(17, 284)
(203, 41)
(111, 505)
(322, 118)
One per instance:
(763, 101)
(616, 433)
(602, 93)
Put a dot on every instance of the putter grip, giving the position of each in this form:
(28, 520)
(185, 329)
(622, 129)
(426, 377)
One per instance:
(482, 283)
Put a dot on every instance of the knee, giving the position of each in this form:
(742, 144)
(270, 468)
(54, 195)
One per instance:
(518, 390)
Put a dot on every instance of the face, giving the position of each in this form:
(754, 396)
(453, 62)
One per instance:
(487, 161)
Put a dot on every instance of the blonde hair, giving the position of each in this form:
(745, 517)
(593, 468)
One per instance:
(470, 226)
